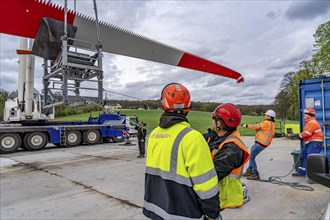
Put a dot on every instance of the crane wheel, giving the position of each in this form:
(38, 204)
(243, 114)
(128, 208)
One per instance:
(91, 136)
(35, 140)
(9, 142)
(118, 139)
(73, 138)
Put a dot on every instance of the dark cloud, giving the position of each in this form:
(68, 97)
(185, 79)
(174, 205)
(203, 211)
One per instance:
(305, 10)
(271, 15)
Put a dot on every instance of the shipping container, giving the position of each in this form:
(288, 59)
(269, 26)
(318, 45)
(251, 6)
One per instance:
(315, 93)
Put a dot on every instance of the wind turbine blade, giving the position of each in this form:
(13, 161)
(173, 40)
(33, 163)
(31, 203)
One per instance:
(22, 18)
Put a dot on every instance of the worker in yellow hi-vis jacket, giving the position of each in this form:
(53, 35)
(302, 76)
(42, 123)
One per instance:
(180, 179)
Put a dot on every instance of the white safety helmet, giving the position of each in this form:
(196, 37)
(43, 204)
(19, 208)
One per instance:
(270, 113)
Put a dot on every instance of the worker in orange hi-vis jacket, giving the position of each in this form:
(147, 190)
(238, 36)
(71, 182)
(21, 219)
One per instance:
(264, 136)
(312, 137)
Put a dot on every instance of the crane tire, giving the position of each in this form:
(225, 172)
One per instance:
(73, 138)
(35, 140)
(9, 143)
(91, 136)
(118, 139)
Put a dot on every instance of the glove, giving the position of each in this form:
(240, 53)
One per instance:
(212, 134)
(207, 134)
(244, 125)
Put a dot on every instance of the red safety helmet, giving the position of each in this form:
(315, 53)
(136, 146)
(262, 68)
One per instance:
(310, 111)
(175, 97)
(229, 113)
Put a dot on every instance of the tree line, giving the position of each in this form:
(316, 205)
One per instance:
(196, 106)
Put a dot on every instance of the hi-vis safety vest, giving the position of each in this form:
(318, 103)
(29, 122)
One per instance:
(180, 181)
(312, 131)
(265, 132)
(230, 187)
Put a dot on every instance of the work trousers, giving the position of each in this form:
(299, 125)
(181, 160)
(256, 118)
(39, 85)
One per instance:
(255, 150)
(312, 147)
(142, 146)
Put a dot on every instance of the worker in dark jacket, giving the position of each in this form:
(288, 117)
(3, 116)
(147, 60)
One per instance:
(141, 135)
(229, 154)
(180, 180)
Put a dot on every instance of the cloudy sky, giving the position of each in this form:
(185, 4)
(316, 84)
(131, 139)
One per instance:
(263, 40)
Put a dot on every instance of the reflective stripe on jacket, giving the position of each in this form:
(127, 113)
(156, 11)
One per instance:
(180, 180)
(265, 132)
(312, 131)
(230, 187)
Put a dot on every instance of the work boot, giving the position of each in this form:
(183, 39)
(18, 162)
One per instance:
(246, 199)
(248, 172)
(254, 176)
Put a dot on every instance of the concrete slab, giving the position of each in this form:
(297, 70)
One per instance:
(106, 181)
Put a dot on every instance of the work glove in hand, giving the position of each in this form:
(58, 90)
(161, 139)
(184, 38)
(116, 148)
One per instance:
(206, 136)
(211, 134)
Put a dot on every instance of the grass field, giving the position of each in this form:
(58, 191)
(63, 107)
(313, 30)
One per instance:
(198, 120)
